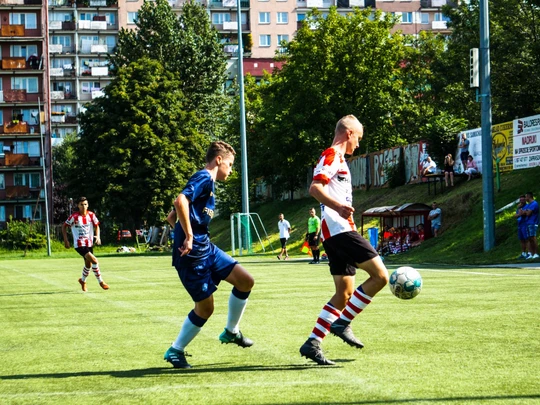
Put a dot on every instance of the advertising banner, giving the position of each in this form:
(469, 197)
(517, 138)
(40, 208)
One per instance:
(527, 142)
(475, 148)
(503, 140)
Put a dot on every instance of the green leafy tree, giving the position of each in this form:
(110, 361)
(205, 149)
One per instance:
(63, 162)
(348, 65)
(514, 56)
(138, 145)
(187, 46)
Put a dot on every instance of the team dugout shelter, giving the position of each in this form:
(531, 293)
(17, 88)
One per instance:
(399, 216)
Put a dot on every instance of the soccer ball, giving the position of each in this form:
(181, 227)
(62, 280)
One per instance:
(405, 283)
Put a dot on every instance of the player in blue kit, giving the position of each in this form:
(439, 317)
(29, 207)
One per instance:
(200, 264)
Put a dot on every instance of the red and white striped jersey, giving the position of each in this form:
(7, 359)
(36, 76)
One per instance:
(82, 228)
(333, 171)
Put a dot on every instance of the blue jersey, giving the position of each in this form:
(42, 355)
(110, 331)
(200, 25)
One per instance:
(533, 218)
(522, 220)
(199, 190)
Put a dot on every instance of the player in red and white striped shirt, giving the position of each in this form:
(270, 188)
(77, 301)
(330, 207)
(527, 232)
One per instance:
(83, 224)
(347, 250)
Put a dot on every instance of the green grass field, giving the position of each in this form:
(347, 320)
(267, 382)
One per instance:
(471, 337)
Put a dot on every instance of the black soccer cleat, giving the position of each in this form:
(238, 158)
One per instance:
(311, 349)
(177, 358)
(236, 338)
(345, 332)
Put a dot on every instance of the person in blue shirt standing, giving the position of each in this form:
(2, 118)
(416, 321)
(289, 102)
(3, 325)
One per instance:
(522, 225)
(200, 264)
(531, 212)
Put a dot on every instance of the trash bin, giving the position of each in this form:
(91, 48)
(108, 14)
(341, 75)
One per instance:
(373, 234)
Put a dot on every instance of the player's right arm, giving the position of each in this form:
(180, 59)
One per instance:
(318, 191)
(64, 233)
(181, 205)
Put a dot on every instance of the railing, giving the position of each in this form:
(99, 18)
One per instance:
(13, 63)
(17, 191)
(13, 127)
(439, 25)
(14, 95)
(20, 2)
(16, 159)
(12, 30)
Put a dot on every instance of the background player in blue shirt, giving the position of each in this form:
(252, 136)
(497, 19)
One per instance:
(200, 264)
(531, 212)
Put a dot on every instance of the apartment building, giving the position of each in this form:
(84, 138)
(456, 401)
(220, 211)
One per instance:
(81, 33)
(24, 110)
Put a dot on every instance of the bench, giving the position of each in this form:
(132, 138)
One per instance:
(434, 178)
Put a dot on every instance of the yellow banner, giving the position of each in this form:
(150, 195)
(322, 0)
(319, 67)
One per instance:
(502, 136)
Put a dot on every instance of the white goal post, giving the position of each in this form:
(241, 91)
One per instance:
(242, 228)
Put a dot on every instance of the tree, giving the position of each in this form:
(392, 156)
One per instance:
(138, 145)
(187, 46)
(63, 163)
(514, 55)
(346, 65)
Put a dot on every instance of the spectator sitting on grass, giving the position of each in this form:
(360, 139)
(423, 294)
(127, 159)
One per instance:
(472, 169)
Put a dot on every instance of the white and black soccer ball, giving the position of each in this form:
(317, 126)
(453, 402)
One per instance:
(405, 283)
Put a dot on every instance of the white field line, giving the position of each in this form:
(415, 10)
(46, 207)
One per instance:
(197, 386)
(477, 273)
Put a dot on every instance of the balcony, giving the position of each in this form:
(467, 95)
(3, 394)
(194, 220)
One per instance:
(231, 49)
(439, 25)
(13, 63)
(16, 127)
(228, 4)
(437, 3)
(17, 159)
(17, 191)
(20, 2)
(59, 3)
(13, 96)
(12, 30)
(58, 118)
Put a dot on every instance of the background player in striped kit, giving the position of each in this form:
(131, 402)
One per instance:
(83, 225)
(347, 250)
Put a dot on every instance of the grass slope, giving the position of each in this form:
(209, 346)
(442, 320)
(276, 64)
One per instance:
(462, 239)
(470, 337)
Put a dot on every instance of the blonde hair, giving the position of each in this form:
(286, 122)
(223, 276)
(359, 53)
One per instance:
(347, 122)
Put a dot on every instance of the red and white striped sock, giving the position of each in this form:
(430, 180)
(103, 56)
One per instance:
(97, 273)
(85, 272)
(326, 318)
(356, 304)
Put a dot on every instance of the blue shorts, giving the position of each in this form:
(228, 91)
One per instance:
(522, 232)
(436, 226)
(532, 230)
(201, 277)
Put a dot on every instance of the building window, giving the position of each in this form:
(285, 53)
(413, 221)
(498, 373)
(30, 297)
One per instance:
(2, 180)
(87, 87)
(406, 17)
(440, 17)
(2, 213)
(300, 17)
(110, 18)
(132, 17)
(264, 40)
(31, 180)
(60, 16)
(27, 211)
(31, 148)
(29, 20)
(87, 16)
(264, 17)
(282, 18)
(220, 18)
(424, 18)
(23, 51)
(64, 40)
(30, 84)
(282, 38)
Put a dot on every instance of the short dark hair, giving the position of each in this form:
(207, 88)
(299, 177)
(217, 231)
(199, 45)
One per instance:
(81, 199)
(529, 193)
(219, 148)
(522, 196)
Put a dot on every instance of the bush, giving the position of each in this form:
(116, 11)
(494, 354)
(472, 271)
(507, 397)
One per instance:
(19, 235)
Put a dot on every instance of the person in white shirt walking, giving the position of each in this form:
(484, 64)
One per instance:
(284, 232)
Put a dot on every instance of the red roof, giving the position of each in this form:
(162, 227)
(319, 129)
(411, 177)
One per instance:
(256, 67)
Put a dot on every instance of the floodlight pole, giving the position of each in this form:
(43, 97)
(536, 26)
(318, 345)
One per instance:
(243, 142)
(487, 146)
(44, 164)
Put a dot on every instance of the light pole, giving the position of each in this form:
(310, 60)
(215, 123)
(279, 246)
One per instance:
(487, 160)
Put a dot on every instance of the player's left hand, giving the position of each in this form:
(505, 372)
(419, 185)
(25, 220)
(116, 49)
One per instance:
(186, 247)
